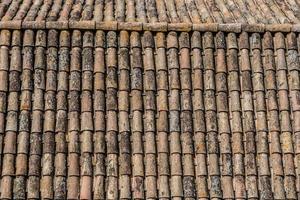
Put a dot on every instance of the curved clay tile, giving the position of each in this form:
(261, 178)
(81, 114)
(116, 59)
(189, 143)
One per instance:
(120, 10)
(214, 178)
(176, 183)
(20, 181)
(285, 122)
(76, 11)
(162, 124)
(45, 8)
(130, 11)
(124, 117)
(279, 14)
(73, 144)
(193, 11)
(236, 12)
(291, 11)
(23, 10)
(189, 184)
(11, 11)
(264, 177)
(98, 10)
(87, 12)
(149, 119)
(199, 117)
(294, 6)
(136, 105)
(273, 117)
(65, 11)
(47, 190)
(8, 115)
(108, 10)
(225, 12)
(161, 11)
(141, 14)
(111, 114)
(151, 11)
(99, 119)
(254, 9)
(204, 11)
(214, 10)
(13, 107)
(171, 11)
(33, 11)
(35, 151)
(267, 12)
(53, 13)
(3, 7)
(61, 122)
(250, 17)
(227, 156)
(182, 11)
(293, 83)
(86, 124)
(155, 99)
(236, 122)
(249, 116)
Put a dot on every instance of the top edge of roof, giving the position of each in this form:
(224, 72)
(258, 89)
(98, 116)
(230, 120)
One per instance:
(153, 15)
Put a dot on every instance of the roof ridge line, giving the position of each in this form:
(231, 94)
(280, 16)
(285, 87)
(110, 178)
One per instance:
(155, 27)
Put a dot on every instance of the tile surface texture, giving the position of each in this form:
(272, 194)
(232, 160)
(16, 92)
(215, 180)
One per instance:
(127, 113)
(175, 11)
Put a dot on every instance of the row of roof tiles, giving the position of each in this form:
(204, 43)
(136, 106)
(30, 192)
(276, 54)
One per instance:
(174, 11)
(154, 27)
(128, 115)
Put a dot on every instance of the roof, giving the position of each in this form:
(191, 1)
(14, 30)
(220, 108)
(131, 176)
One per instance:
(150, 103)
(198, 11)
(154, 15)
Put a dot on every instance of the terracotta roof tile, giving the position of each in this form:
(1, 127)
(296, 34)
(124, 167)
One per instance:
(200, 11)
(149, 99)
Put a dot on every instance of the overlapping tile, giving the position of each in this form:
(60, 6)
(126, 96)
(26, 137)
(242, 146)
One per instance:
(174, 11)
(149, 99)
(157, 115)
